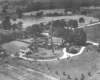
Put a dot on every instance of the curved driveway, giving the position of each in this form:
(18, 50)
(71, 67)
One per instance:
(66, 54)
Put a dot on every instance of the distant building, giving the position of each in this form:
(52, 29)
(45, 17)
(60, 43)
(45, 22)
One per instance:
(46, 33)
(56, 41)
(23, 50)
(69, 12)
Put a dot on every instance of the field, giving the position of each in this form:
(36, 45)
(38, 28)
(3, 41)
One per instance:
(59, 69)
(88, 61)
(93, 32)
(28, 21)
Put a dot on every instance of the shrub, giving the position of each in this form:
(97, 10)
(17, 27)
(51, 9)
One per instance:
(84, 12)
(76, 78)
(73, 23)
(89, 73)
(81, 20)
(14, 19)
(39, 14)
(73, 51)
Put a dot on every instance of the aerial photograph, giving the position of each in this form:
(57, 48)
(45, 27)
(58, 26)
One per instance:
(49, 40)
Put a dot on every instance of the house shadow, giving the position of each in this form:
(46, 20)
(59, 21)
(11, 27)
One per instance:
(86, 44)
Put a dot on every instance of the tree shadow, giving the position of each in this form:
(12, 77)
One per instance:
(88, 44)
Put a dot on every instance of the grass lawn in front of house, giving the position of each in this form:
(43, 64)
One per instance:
(14, 47)
(78, 65)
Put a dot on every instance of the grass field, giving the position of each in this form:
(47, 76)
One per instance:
(30, 21)
(75, 67)
(79, 64)
(93, 32)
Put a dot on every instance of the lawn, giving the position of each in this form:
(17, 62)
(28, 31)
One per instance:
(93, 32)
(78, 65)
(14, 47)
(75, 67)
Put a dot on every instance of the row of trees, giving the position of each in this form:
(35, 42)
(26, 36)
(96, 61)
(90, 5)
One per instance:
(6, 24)
(11, 36)
(75, 4)
(54, 14)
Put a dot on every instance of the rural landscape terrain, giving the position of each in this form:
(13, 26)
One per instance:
(49, 39)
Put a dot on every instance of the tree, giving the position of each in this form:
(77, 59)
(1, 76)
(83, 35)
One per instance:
(39, 14)
(89, 73)
(1, 38)
(84, 12)
(69, 77)
(29, 31)
(3, 54)
(6, 24)
(85, 3)
(51, 5)
(37, 30)
(73, 23)
(76, 78)
(81, 20)
(37, 6)
(33, 6)
(82, 76)
(68, 4)
(19, 12)
(14, 26)
(80, 37)
(68, 36)
(98, 16)
(4, 11)
(96, 3)
(59, 24)
(20, 25)
(34, 30)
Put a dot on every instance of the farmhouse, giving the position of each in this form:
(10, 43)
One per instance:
(23, 50)
(56, 40)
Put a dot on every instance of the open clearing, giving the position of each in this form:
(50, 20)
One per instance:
(93, 32)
